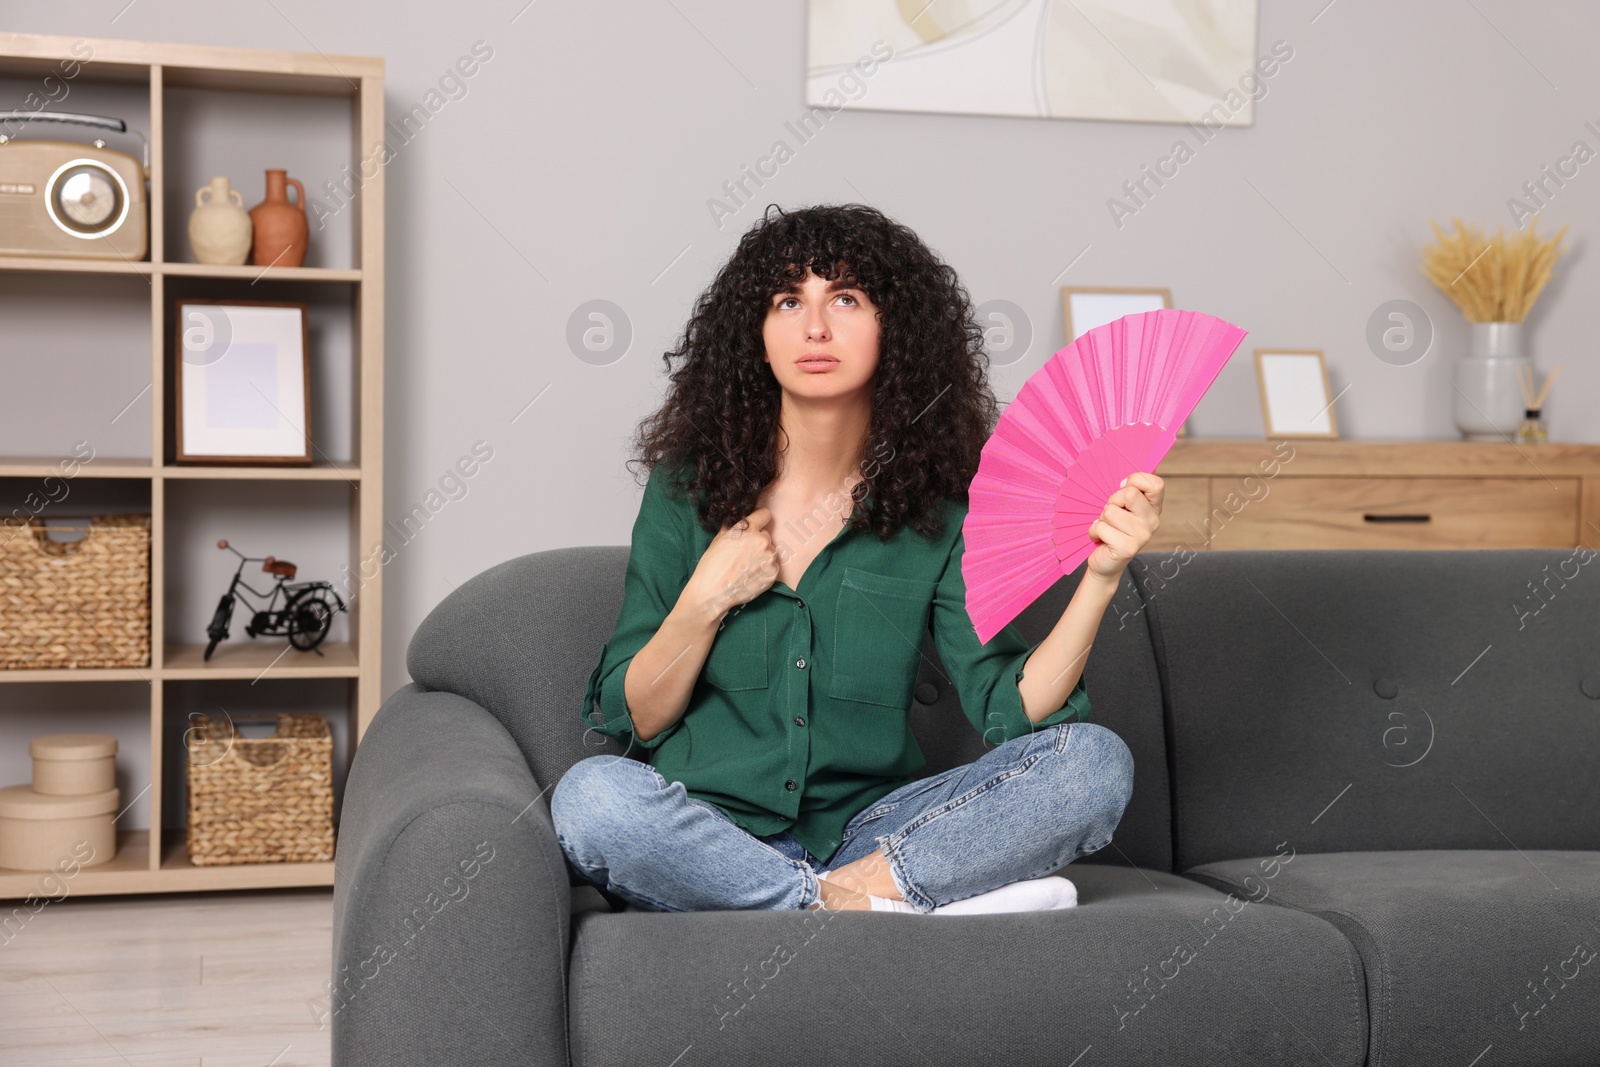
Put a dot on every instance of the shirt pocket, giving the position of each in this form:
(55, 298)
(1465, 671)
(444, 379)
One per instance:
(879, 625)
(738, 657)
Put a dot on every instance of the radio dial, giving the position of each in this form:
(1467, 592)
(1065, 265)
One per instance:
(86, 199)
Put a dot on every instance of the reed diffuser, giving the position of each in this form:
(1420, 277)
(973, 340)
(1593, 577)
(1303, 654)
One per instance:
(1494, 281)
(1533, 430)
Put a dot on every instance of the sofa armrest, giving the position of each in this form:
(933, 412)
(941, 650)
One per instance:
(451, 903)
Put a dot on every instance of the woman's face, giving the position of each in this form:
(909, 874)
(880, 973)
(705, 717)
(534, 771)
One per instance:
(822, 337)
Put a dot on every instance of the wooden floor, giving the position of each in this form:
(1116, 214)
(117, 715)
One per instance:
(184, 980)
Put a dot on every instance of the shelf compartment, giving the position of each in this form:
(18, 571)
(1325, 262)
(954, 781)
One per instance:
(77, 357)
(310, 523)
(262, 658)
(56, 500)
(253, 709)
(241, 134)
(74, 83)
(331, 325)
(120, 709)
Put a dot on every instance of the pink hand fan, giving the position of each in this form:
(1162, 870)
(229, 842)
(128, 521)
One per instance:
(1106, 405)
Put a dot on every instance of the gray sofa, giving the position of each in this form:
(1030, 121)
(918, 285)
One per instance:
(1364, 829)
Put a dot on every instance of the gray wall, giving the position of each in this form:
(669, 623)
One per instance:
(580, 162)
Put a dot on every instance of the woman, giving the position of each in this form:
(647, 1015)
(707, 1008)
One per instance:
(800, 533)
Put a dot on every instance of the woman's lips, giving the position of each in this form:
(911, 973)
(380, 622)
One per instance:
(817, 366)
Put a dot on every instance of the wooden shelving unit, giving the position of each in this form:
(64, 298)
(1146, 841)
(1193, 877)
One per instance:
(154, 861)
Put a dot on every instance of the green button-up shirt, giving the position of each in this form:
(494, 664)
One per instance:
(799, 719)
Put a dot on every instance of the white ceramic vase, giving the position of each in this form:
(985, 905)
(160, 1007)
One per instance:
(1488, 398)
(219, 227)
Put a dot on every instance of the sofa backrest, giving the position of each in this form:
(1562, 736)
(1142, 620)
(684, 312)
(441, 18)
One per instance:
(1124, 696)
(1360, 699)
(521, 638)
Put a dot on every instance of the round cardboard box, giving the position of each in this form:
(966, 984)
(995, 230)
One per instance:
(73, 764)
(41, 832)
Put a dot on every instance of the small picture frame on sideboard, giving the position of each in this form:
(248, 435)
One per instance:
(1083, 307)
(241, 383)
(1295, 398)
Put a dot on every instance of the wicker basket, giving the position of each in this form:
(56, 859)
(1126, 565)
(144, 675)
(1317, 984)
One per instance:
(260, 799)
(83, 603)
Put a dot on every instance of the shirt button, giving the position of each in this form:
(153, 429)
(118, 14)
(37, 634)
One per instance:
(800, 603)
(800, 663)
(799, 720)
(789, 785)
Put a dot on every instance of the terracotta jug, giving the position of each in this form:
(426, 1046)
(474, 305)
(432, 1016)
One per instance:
(219, 227)
(280, 226)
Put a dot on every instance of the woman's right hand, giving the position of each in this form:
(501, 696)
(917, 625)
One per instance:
(739, 565)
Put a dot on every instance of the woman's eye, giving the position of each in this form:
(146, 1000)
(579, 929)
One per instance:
(784, 302)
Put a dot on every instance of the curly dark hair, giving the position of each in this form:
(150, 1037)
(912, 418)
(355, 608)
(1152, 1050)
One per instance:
(932, 408)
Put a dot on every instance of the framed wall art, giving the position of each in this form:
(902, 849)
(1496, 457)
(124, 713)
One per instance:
(1174, 61)
(242, 382)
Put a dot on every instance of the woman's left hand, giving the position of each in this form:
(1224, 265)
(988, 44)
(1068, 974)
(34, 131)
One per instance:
(1132, 515)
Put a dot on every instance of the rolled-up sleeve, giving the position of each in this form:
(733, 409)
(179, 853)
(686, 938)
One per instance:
(657, 572)
(986, 675)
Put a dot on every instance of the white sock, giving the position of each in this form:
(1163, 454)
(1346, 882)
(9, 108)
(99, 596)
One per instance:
(1032, 894)
(1049, 893)
(890, 904)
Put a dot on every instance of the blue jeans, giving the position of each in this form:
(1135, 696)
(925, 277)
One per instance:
(1024, 809)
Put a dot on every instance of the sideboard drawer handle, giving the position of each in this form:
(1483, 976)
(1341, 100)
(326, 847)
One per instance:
(1397, 518)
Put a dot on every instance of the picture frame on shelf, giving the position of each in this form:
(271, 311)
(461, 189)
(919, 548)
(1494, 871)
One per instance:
(1296, 400)
(1083, 307)
(241, 382)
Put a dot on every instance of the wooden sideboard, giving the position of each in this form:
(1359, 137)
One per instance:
(1282, 493)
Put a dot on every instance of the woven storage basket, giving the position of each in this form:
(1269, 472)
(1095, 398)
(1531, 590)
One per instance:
(260, 799)
(83, 603)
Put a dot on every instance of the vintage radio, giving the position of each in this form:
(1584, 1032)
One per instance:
(58, 198)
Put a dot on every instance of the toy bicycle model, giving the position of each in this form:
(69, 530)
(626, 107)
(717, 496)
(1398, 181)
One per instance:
(306, 611)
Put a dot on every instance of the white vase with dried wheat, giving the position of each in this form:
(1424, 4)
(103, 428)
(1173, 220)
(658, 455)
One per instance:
(1494, 283)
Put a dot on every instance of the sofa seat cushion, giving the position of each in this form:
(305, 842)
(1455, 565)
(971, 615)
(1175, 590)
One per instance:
(1471, 956)
(1148, 968)
(588, 898)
